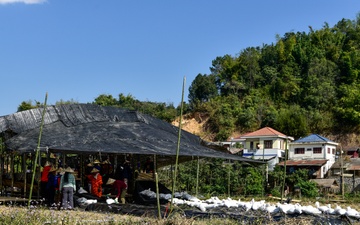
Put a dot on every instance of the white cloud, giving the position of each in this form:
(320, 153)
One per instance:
(3, 2)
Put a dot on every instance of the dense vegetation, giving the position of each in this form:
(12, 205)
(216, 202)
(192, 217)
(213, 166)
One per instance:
(304, 83)
(217, 177)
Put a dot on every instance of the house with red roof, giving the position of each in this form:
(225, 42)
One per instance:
(314, 152)
(265, 144)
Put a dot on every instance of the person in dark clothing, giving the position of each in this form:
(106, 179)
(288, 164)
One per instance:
(97, 165)
(149, 165)
(51, 187)
(127, 172)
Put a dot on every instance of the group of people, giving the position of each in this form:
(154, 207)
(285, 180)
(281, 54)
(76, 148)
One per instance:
(103, 173)
(58, 182)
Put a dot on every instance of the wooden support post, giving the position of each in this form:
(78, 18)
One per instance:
(25, 169)
(63, 160)
(39, 178)
(12, 173)
(81, 172)
(1, 167)
(155, 166)
(157, 194)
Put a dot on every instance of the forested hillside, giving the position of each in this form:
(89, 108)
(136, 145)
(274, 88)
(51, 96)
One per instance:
(306, 82)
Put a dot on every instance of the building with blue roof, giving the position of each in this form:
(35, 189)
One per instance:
(313, 152)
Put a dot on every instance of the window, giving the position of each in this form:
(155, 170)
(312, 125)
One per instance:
(299, 150)
(268, 144)
(333, 151)
(317, 150)
(328, 150)
(251, 145)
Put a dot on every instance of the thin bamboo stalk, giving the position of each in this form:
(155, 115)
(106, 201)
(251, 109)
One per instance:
(37, 152)
(24, 168)
(197, 176)
(178, 147)
(12, 173)
(157, 194)
(1, 163)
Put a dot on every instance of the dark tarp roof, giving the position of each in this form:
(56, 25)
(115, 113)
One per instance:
(90, 128)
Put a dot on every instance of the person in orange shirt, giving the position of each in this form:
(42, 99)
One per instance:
(96, 182)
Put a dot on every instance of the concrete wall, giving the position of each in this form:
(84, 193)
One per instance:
(348, 183)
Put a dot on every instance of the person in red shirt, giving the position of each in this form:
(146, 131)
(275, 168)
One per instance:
(44, 179)
(119, 187)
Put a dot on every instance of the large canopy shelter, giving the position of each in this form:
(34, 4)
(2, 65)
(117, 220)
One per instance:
(90, 128)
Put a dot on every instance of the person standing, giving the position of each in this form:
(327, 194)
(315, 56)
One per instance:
(127, 172)
(51, 187)
(44, 179)
(68, 187)
(58, 198)
(96, 182)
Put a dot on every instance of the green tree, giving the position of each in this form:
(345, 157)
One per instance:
(348, 107)
(300, 178)
(202, 89)
(105, 100)
(254, 183)
(292, 121)
(319, 90)
(26, 105)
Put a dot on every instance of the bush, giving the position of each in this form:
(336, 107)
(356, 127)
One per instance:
(308, 189)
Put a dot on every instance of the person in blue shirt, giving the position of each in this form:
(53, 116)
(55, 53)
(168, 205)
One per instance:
(68, 187)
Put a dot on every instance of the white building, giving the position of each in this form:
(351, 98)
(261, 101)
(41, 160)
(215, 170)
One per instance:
(265, 144)
(313, 152)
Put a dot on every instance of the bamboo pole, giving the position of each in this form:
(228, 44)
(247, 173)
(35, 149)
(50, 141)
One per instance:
(25, 169)
(39, 177)
(1, 164)
(342, 173)
(155, 166)
(157, 194)
(12, 173)
(229, 180)
(197, 176)
(82, 169)
(178, 147)
(37, 151)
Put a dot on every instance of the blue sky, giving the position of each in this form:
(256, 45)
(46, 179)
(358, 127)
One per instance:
(80, 49)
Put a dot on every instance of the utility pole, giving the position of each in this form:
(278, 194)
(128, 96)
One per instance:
(283, 184)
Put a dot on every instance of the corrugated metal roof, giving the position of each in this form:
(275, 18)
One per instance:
(91, 128)
(310, 162)
(266, 132)
(314, 138)
(328, 183)
(266, 157)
